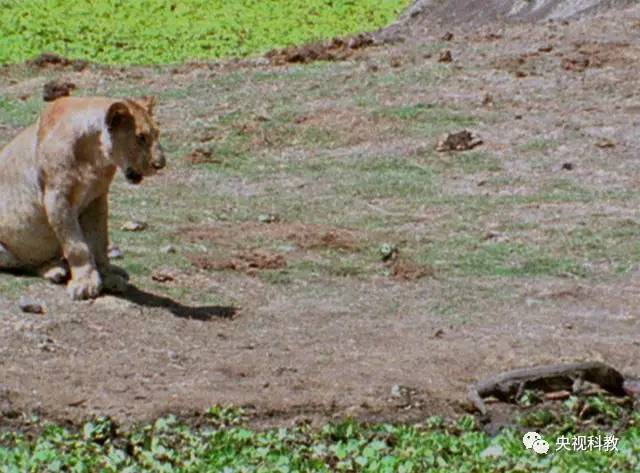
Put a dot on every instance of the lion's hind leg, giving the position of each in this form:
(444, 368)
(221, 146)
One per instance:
(8, 260)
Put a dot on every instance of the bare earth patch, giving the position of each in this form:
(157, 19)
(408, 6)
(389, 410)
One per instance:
(306, 236)
(249, 262)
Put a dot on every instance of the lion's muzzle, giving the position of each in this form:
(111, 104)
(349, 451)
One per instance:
(132, 176)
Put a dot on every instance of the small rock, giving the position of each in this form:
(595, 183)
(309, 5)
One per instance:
(438, 333)
(530, 301)
(388, 251)
(168, 249)
(163, 275)
(496, 236)
(115, 252)
(632, 387)
(448, 36)
(487, 100)
(268, 218)
(134, 226)
(493, 451)
(29, 305)
(287, 248)
(445, 56)
(397, 391)
(605, 143)
(395, 62)
(459, 141)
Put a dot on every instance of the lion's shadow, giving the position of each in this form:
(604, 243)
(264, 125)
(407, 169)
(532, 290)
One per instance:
(204, 313)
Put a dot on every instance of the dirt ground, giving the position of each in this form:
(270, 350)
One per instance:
(524, 251)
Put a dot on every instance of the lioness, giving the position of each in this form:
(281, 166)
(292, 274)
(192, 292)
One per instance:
(54, 183)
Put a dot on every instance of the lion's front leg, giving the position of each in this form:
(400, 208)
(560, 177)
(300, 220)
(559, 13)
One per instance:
(94, 224)
(85, 280)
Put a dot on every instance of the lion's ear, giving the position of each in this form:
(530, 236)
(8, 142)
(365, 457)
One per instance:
(148, 103)
(118, 116)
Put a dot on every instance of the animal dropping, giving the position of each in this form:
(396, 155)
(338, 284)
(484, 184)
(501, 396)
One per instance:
(461, 141)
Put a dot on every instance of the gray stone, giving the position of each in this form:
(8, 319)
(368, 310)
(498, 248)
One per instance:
(168, 249)
(30, 306)
(492, 451)
(115, 253)
(134, 226)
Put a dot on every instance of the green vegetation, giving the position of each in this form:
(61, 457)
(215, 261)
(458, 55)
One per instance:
(19, 112)
(226, 444)
(166, 31)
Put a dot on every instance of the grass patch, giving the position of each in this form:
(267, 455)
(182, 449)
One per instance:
(429, 118)
(164, 31)
(226, 443)
(469, 162)
(540, 145)
(470, 257)
(19, 113)
(13, 286)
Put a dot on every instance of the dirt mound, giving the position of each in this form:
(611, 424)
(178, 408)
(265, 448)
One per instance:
(337, 49)
(485, 11)
(246, 262)
(305, 236)
(48, 60)
(409, 271)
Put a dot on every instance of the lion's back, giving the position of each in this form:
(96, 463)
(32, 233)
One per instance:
(22, 217)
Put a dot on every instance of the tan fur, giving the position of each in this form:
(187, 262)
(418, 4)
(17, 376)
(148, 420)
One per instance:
(54, 184)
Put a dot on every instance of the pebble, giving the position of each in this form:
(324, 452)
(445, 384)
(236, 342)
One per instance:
(268, 218)
(115, 253)
(493, 451)
(30, 306)
(168, 249)
(134, 226)
(163, 275)
(445, 56)
(388, 251)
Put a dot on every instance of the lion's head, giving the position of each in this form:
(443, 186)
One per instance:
(135, 145)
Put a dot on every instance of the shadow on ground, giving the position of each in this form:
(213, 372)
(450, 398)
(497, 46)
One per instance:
(203, 313)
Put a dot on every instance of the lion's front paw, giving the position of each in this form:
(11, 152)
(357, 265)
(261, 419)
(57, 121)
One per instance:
(86, 287)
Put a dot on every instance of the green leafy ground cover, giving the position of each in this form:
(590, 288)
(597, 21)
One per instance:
(168, 31)
(226, 444)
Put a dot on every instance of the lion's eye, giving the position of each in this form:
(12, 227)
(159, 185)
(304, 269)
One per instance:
(142, 139)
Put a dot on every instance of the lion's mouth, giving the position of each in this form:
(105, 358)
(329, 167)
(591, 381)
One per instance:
(132, 176)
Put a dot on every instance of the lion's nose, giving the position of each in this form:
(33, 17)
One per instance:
(159, 160)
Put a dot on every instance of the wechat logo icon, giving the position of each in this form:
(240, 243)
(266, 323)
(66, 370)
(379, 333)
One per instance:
(534, 441)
